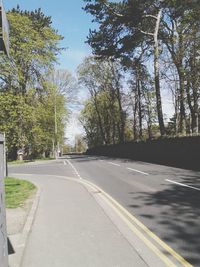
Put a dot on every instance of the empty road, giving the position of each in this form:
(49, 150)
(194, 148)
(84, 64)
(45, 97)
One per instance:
(164, 199)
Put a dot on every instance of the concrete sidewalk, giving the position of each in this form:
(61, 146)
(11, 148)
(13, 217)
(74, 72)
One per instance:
(71, 229)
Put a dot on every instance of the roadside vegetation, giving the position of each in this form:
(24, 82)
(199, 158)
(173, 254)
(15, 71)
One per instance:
(34, 96)
(145, 53)
(17, 192)
(13, 162)
(28, 161)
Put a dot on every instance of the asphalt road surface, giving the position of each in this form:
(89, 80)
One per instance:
(165, 199)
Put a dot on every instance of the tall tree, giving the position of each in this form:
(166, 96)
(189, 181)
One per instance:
(49, 120)
(103, 80)
(27, 100)
(180, 24)
(16, 118)
(65, 83)
(124, 27)
(34, 45)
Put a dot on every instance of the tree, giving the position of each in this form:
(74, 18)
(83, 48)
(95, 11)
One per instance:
(15, 121)
(192, 80)
(33, 50)
(33, 110)
(124, 27)
(143, 99)
(179, 32)
(90, 122)
(65, 84)
(80, 144)
(103, 79)
(50, 116)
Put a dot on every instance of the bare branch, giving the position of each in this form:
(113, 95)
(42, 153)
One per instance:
(150, 16)
(113, 11)
(146, 33)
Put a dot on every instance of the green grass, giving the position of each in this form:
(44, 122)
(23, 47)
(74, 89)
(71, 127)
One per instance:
(19, 161)
(17, 191)
(27, 161)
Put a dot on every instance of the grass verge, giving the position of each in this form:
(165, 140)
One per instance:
(17, 191)
(27, 161)
(19, 161)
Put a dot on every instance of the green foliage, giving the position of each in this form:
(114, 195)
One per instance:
(33, 50)
(37, 16)
(33, 110)
(43, 129)
(15, 119)
(123, 24)
(104, 113)
(80, 144)
(120, 25)
(89, 120)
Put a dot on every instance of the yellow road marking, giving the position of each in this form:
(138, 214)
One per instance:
(161, 255)
(144, 228)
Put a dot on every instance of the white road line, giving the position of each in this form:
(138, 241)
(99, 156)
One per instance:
(185, 185)
(75, 170)
(137, 171)
(65, 162)
(115, 164)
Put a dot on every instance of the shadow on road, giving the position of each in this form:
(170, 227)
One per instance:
(177, 215)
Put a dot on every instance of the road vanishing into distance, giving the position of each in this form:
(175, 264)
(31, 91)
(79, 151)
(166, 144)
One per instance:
(164, 199)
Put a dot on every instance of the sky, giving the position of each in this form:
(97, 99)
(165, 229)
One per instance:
(73, 24)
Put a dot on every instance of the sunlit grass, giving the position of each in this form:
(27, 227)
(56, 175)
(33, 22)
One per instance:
(17, 191)
(19, 161)
(27, 161)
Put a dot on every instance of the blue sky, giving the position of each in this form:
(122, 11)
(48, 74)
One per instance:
(70, 21)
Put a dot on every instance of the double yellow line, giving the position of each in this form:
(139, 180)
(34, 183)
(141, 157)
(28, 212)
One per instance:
(141, 230)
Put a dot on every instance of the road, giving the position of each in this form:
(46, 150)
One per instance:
(164, 199)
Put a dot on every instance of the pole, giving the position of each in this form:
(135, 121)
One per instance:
(55, 126)
(3, 235)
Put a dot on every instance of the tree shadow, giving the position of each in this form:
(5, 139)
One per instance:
(174, 215)
(84, 158)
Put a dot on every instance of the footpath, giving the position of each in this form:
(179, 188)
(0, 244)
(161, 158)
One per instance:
(71, 225)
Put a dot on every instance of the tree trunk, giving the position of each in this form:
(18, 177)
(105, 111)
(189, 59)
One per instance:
(176, 108)
(122, 118)
(195, 119)
(182, 125)
(135, 107)
(121, 128)
(140, 109)
(149, 114)
(157, 76)
(192, 95)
